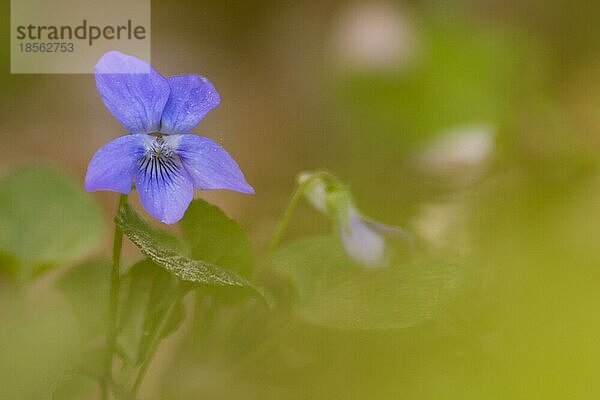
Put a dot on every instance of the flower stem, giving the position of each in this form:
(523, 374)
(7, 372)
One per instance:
(156, 339)
(286, 217)
(111, 333)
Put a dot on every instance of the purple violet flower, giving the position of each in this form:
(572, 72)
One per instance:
(165, 161)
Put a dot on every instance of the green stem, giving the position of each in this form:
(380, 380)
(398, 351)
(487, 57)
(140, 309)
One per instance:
(286, 217)
(111, 333)
(156, 339)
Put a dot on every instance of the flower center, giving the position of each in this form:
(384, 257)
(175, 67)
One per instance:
(160, 158)
(160, 148)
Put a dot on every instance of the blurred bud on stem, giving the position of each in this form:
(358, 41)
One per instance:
(365, 241)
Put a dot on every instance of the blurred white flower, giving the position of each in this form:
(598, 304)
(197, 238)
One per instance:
(373, 35)
(442, 225)
(362, 243)
(462, 154)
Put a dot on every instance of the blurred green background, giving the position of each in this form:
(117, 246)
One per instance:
(475, 124)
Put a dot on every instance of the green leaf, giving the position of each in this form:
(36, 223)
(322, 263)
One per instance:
(171, 242)
(45, 219)
(149, 292)
(86, 288)
(146, 239)
(216, 238)
(333, 291)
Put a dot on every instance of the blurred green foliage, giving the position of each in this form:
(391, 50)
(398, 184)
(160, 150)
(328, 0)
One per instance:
(47, 220)
(86, 288)
(148, 291)
(333, 291)
(461, 74)
(37, 343)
